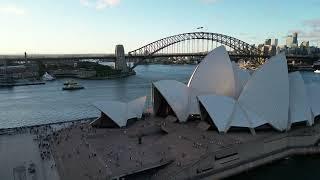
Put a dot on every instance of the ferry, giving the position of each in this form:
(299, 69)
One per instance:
(316, 66)
(72, 85)
(70, 82)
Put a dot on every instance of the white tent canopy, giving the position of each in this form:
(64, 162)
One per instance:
(121, 112)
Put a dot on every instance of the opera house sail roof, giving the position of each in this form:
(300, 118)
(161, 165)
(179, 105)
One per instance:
(120, 112)
(227, 96)
(214, 76)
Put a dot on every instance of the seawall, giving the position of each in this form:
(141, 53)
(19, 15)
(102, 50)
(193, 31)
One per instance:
(238, 158)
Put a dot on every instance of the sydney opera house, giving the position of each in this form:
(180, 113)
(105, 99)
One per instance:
(226, 96)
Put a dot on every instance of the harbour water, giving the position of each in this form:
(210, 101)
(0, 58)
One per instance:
(293, 168)
(42, 104)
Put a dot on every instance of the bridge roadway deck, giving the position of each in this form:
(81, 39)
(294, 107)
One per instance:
(56, 57)
(47, 57)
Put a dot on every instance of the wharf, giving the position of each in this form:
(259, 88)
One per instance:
(301, 68)
(25, 83)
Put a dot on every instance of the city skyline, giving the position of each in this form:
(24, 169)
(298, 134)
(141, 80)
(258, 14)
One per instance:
(96, 26)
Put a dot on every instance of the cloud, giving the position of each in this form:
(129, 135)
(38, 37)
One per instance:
(99, 4)
(314, 23)
(311, 30)
(85, 3)
(107, 3)
(12, 9)
(209, 1)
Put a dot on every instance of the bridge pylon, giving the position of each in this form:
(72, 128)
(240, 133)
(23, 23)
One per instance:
(121, 62)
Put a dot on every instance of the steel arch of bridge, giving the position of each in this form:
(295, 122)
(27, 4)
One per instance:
(239, 46)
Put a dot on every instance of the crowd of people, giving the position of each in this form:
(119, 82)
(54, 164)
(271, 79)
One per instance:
(43, 137)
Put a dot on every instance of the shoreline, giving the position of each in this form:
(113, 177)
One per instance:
(3, 131)
(254, 163)
(22, 84)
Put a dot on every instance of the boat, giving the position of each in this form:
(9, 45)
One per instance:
(317, 71)
(70, 82)
(72, 86)
(47, 77)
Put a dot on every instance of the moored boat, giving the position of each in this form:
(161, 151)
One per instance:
(47, 77)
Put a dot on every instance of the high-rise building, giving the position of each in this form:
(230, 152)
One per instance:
(295, 38)
(274, 42)
(292, 40)
(267, 42)
(272, 50)
(289, 41)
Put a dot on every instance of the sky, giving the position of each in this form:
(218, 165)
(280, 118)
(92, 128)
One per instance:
(96, 26)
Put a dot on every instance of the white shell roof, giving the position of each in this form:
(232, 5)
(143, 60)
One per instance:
(206, 79)
(241, 77)
(225, 112)
(314, 97)
(120, 112)
(214, 75)
(135, 108)
(234, 98)
(239, 118)
(267, 93)
(114, 110)
(299, 109)
(219, 108)
(177, 96)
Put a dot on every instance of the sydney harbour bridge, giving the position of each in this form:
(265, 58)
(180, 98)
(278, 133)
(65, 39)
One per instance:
(193, 44)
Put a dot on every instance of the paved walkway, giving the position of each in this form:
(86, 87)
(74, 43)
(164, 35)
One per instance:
(16, 154)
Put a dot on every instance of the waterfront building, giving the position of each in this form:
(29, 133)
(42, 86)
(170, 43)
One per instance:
(13, 73)
(271, 47)
(227, 96)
